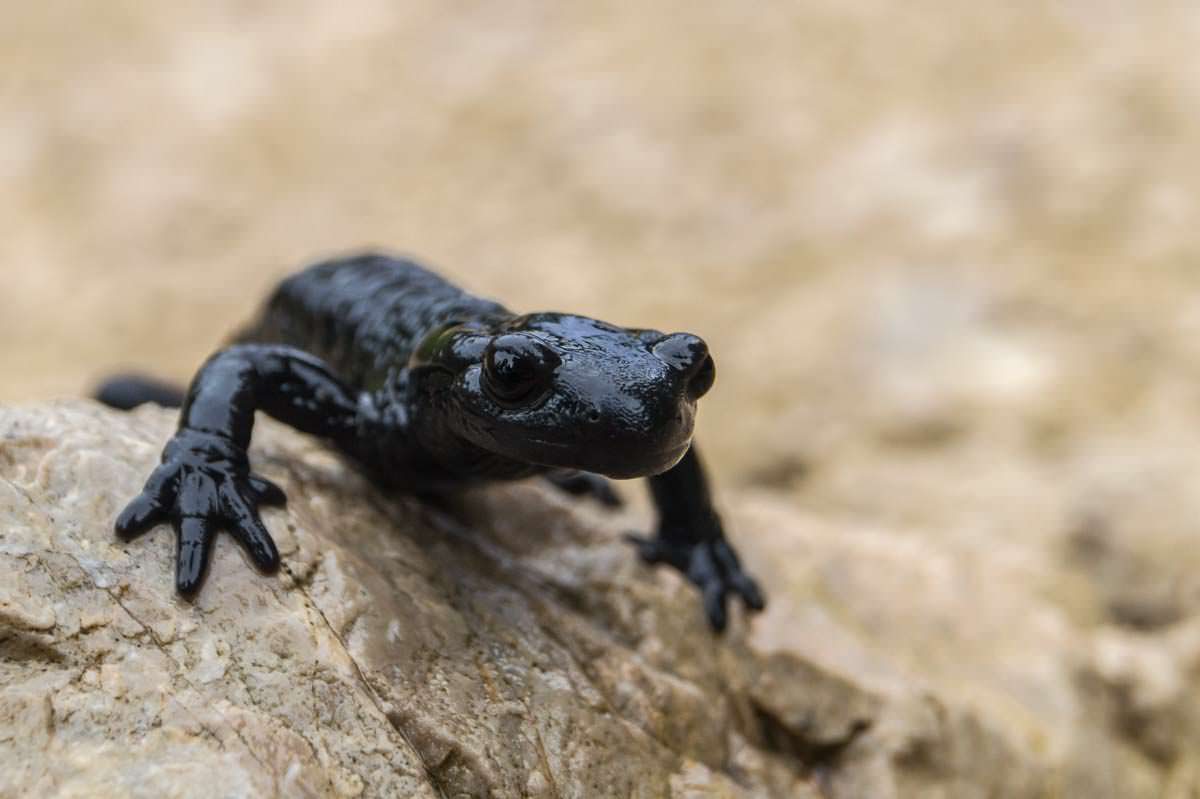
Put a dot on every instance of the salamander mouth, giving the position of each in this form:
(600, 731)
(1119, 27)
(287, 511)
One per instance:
(588, 445)
(611, 462)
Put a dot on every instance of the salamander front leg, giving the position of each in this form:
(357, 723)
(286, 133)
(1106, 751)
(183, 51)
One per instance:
(204, 483)
(691, 539)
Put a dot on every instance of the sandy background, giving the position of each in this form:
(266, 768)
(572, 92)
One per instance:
(935, 245)
(972, 219)
(935, 251)
(946, 255)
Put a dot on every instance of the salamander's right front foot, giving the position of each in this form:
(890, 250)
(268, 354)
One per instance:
(204, 485)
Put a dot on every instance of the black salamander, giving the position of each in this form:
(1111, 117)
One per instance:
(428, 388)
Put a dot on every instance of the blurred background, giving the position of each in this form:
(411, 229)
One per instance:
(945, 255)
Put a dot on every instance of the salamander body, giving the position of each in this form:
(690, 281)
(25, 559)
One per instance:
(427, 388)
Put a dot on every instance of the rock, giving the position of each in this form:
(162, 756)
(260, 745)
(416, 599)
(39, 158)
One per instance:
(509, 645)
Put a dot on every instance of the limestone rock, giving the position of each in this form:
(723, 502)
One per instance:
(506, 645)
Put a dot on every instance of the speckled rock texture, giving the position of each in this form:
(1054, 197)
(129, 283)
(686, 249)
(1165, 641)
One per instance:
(508, 645)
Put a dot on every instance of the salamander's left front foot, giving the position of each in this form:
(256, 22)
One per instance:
(711, 565)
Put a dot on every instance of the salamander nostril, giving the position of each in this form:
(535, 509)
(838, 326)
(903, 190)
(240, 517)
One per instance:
(682, 351)
(702, 378)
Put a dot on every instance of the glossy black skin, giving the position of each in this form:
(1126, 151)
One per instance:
(428, 389)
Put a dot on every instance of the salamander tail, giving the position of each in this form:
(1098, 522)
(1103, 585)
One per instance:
(126, 392)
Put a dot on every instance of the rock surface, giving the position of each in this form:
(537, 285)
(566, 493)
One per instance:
(510, 646)
(944, 255)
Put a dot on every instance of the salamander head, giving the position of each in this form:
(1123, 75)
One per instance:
(567, 391)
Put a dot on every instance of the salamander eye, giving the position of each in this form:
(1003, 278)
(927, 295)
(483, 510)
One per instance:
(518, 368)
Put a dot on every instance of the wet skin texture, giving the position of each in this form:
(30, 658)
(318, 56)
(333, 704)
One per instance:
(429, 389)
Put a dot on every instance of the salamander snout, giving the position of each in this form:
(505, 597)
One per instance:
(573, 392)
(688, 355)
